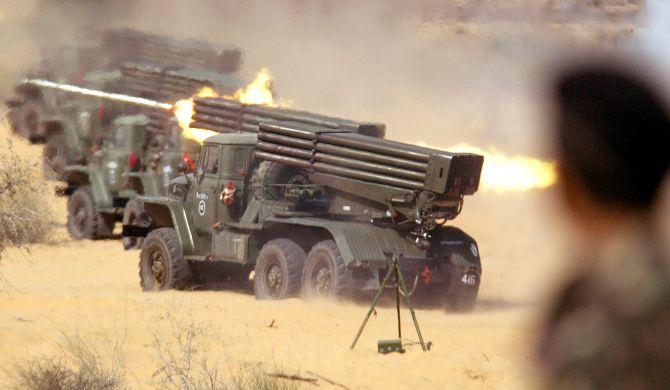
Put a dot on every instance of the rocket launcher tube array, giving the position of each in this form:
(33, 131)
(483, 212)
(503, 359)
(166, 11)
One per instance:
(370, 159)
(227, 115)
(323, 144)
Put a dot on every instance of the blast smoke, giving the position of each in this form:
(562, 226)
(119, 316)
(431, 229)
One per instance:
(435, 72)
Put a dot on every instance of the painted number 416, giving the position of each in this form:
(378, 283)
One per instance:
(469, 279)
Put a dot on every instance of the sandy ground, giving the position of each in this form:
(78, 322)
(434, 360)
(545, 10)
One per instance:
(92, 289)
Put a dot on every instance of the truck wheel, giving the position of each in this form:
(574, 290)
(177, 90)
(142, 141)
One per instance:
(83, 221)
(27, 121)
(162, 264)
(54, 155)
(278, 269)
(325, 273)
(134, 215)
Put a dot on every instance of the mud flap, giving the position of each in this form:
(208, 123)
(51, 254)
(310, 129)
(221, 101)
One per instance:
(135, 231)
(463, 283)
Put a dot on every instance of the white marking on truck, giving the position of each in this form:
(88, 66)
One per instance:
(201, 208)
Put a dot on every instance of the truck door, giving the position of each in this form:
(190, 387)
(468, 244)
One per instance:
(233, 174)
(206, 195)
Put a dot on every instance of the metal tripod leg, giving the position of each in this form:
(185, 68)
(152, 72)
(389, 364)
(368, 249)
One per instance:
(409, 305)
(397, 297)
(372, 308)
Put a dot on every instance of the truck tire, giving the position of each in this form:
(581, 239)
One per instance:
(162, 264)
(325, 275)
(55, 155)
(278, 269)
(83, 220)
(134, 215)
(269, 173)
(27, 121)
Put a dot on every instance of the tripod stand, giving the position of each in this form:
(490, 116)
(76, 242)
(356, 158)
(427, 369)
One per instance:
(400, 287)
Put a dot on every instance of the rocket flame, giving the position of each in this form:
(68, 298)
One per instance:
(503, 173)
(259, 91)
(183, 110)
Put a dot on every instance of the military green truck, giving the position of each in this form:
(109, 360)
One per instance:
(144, 64)
(71, 125)
(315, 210)
(117, 61)
(134, 159)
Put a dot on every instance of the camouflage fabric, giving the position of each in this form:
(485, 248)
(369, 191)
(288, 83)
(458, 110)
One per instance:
(610, 326)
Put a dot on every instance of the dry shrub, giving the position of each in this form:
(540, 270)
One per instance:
(25, 216)
(187, 362)
(183, 355)
(255, 376)
(74, 365)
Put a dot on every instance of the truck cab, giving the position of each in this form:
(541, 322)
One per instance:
(132, 160)
(222, 170)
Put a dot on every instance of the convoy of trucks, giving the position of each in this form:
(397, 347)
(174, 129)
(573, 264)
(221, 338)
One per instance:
(299, 203)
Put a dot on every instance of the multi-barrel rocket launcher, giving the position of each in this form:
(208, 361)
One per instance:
(314, 204)
(136, 155)
(397, 181)
(122, 45)
(370, 178)
(225, 115)
(173, 83)
(347, 169)
(124, 61)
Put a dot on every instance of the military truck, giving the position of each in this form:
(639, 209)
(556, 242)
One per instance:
(317, 210)
(134, 159)
(133, 56)
(121, 61)
(72, 125)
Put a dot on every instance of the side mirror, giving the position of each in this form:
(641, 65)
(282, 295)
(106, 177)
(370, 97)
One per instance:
(182, 168)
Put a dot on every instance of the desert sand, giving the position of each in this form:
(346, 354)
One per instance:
(91, 289)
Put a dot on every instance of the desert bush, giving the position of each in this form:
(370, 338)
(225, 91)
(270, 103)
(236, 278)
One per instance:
(186, 362)
(183, 357)
(256, 376)
(24, 214)
(74, 365)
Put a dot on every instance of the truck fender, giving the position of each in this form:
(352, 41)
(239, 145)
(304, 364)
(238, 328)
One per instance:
(458, 254)
(80, 175)
(360, 243)
(452, 244)
(167, 213)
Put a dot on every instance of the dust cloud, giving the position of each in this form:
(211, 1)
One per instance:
(443, 74)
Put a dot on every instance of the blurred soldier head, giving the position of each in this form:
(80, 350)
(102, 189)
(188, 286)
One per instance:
(612, 129)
